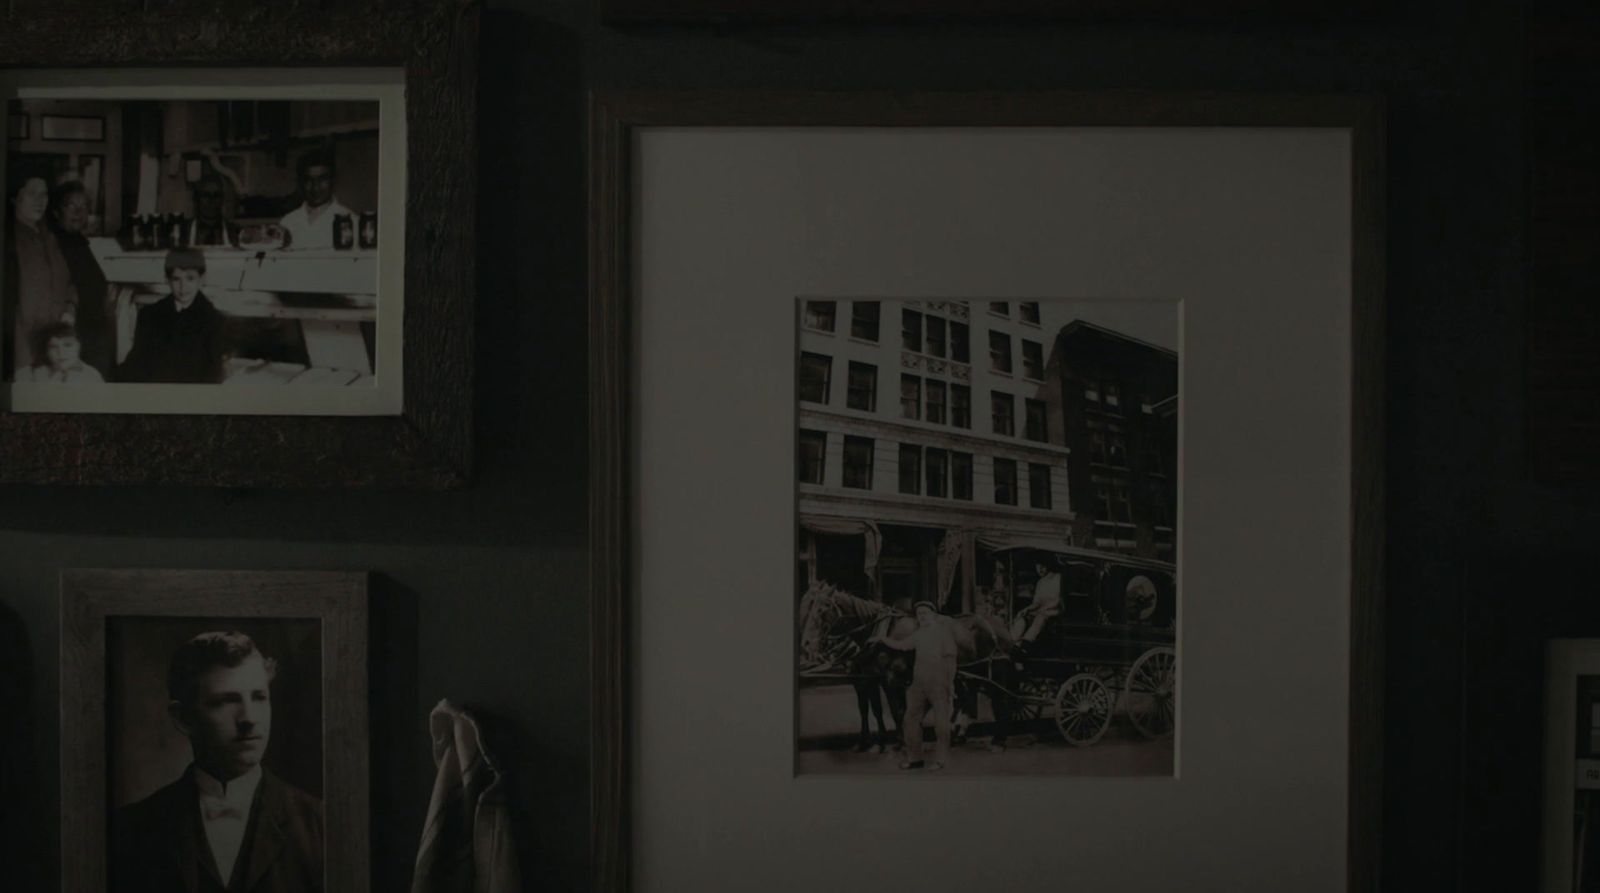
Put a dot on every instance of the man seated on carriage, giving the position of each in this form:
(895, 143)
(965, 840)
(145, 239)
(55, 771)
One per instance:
(1046, 604)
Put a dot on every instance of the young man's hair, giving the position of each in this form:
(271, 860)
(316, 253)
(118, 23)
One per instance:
(57, 330)
(186, 259)
(314, 158)
(207, 650)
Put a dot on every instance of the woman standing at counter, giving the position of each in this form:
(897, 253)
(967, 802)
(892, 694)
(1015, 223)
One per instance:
(38, 286)
(69, 216)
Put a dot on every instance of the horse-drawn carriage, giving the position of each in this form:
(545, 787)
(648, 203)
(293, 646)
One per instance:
(1107, 648)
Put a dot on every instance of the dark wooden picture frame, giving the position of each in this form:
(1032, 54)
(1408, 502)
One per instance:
(336, 601)
(615, 119)
(429, 445)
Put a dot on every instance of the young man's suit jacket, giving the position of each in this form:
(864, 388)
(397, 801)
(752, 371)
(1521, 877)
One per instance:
(158, 845)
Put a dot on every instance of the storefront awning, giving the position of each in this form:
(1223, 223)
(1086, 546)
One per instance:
(996, 542)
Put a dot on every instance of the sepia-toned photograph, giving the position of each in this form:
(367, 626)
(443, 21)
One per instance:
(221, 739)
(233, 241)
(987, 537)
(216, 753)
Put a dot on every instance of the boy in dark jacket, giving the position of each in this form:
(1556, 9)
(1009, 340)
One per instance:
(180, 339)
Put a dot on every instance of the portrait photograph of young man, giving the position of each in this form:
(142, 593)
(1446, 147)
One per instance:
(216, 747)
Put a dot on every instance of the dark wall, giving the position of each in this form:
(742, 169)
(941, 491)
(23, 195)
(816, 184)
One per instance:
(482, 595)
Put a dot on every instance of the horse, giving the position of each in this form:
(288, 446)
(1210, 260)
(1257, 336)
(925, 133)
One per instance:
(837, 631)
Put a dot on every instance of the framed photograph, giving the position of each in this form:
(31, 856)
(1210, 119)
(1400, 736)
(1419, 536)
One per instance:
(232, 254)
(997, 444)
(218, 730)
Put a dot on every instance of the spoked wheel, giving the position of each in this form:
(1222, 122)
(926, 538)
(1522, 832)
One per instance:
(1036, 699)
(1083, 709)
(1151, 697)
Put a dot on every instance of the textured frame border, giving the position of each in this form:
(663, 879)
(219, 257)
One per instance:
(613, 119)
(430, 444)
(337, 599)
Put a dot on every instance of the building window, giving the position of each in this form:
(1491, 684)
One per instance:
(863, 392)
(1097, 441)
(1000, 308)
(910, 397)
(813, 446)
(1117, 445)
(910, 469)
(936, 402)
(1112, 398)
(1038, 485)
(1028, 311)
(1091, 390)
(814, 372)
(820, 315)
(961, 406)
(1121, 505)
(1003, 410)
(961, 475)
(938, 469)
(858, 462)
(1005, 482)
(1151, 447)
(935, 336)
(911, 330)
(1000, 352)
(1033, 360)
(864, 320)
(960, 347)
(1037, 424)
(1113, 524)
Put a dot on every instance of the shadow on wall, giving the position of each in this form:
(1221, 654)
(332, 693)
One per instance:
(20, 840)
(400, 774)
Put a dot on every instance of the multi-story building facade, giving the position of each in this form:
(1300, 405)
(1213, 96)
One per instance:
(1119, 405)
(927, 433)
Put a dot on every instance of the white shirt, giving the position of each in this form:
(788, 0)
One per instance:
(312, 227)
(224, 811)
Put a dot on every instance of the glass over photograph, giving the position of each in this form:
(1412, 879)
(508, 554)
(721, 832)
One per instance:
(987, 537)
(229, 242)
(215, 728)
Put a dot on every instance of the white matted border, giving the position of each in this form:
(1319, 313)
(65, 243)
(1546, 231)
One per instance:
(1251, 229)
(386, 86)
(1565, 661)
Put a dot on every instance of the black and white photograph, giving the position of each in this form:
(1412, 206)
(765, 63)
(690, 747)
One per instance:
(221, 743)
(1572, 767)
(216, 754)
(201, 250)
(986, 580)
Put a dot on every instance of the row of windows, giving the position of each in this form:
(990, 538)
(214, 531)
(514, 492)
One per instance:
(1108, 445)
(924, 471)
(1027, 311)
(1000, 356)
(1106, 397)
(932, 335)
(930, 400)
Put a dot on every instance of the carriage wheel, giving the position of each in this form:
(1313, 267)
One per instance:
(1036, 698)
(1083, 709)
(1152, 692)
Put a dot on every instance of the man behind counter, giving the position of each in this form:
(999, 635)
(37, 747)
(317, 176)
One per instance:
(311, 224)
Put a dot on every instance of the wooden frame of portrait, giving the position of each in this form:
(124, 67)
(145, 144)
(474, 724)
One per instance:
(429, 443)
(336, 600)
(620, 120)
